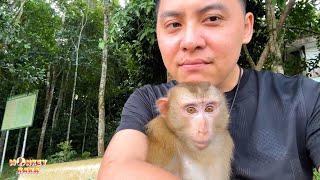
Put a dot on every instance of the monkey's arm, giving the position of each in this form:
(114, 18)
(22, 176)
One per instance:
(162, 146)
(125, 158)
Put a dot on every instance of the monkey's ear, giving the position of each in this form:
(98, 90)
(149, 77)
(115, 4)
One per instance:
(163, 106)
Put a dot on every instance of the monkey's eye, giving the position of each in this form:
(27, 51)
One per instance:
(191, 110)
(209, 109)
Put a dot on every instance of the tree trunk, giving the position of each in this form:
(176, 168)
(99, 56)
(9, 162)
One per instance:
(85, 131)
(272, 45)
(248, 56)
(274, 48)
(56, 111)
(51, 81)
(103, 80)
(77, 46)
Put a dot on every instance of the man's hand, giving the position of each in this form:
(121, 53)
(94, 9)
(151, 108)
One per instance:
(125, 159)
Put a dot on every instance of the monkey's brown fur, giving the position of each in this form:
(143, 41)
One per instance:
(167, 146)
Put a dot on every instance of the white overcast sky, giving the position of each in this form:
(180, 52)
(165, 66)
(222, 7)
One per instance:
(122, 3)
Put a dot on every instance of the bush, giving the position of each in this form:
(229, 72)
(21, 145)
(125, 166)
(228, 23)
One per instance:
(85, 155)
(66, 153)
(316, 175)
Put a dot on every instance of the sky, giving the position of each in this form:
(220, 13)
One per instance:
(122, 3)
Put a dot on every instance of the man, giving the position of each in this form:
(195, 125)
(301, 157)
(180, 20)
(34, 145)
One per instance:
(275, 120)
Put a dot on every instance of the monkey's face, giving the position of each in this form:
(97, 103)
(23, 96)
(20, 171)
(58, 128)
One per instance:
(201, 40)
(197, 115)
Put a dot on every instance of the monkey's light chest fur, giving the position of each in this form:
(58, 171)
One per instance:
(170, 151)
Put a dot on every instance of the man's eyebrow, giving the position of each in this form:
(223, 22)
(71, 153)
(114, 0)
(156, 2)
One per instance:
(216, 6)
(170, 14)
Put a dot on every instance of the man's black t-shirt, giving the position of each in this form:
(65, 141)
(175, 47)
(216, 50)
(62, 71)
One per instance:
(275, 124)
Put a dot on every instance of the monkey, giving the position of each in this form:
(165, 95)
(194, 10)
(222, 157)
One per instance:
(190, 136)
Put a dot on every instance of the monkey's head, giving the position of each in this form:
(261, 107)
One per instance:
(195, 112)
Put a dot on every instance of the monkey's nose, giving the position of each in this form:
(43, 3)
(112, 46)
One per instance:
(203, 131)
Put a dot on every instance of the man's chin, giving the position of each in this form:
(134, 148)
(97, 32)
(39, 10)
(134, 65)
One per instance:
(194, 78)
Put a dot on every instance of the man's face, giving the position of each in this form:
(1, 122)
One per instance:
(200, 40)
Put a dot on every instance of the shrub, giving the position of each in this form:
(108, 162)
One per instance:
(66, 153)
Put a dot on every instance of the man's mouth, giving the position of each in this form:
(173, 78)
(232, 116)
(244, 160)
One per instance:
(191, 64)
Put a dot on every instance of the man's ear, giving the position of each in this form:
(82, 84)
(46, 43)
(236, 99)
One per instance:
(163, 106)
(248, 31)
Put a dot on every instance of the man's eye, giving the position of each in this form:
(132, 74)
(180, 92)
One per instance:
(213, 19)
(174, 25)
(191, 110)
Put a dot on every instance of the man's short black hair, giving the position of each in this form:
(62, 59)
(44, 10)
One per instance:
(243, 2)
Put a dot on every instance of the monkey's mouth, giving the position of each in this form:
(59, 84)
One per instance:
(201, 144)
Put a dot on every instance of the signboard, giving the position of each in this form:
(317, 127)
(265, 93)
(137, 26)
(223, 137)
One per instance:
(19, 111)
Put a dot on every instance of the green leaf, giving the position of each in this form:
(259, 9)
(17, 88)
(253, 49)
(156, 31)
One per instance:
(27, 46)
(101, 44)
(281, 3)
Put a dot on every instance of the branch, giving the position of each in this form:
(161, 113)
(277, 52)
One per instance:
(248, 56)
(74, 44)
(285, 14)
(282, 19)
(270, 17)
(263, 57)
(20, 11)
(83, 24)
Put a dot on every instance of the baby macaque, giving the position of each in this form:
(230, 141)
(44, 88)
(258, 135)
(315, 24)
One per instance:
(190, 137)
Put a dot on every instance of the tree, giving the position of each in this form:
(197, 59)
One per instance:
(76, 49)
(276, 29)
(51, 83)
(19, 36)
(133, 40)
(29, 50)
(102, 88)
(56, 111)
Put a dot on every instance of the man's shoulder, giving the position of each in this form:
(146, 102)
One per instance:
(284, 81)
(277, 77)
(140, 107)
(157, 91)
(292, 88)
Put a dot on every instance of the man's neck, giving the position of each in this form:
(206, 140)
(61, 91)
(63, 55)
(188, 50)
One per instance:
(231, 81)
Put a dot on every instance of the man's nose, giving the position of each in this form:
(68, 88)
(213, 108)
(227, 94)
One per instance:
(192, 39)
